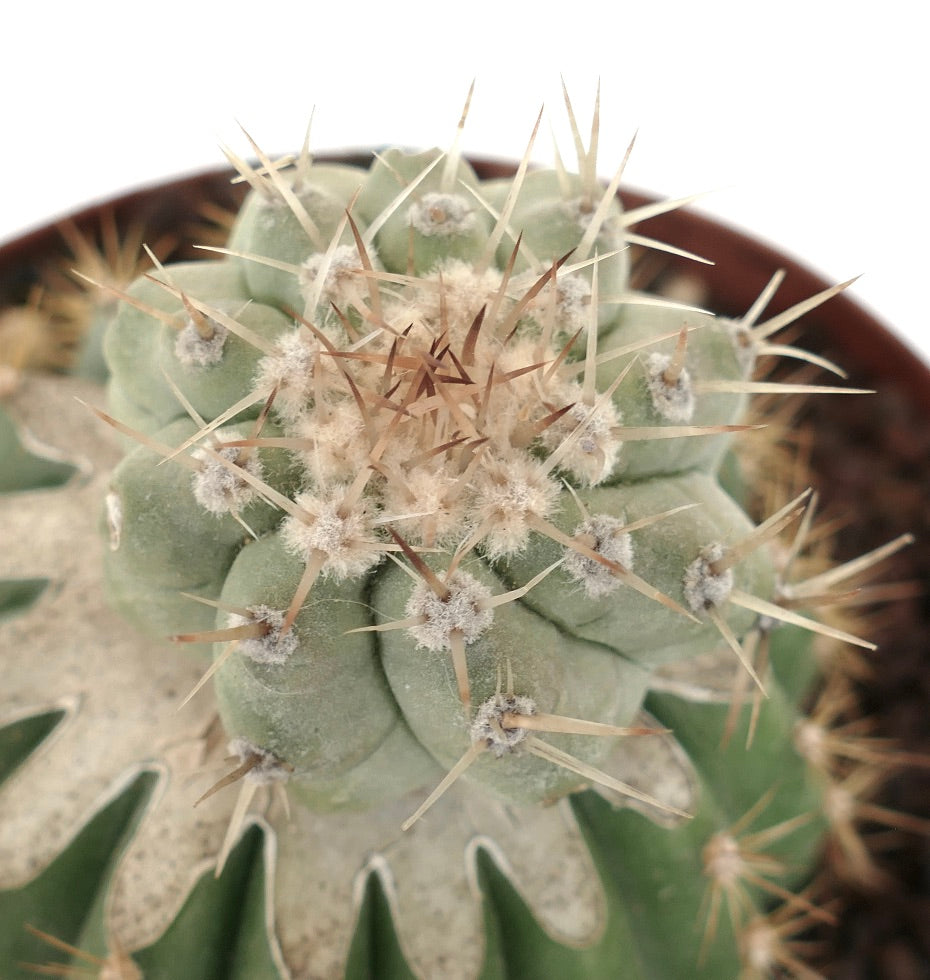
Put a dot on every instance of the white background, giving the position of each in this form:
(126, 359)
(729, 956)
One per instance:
(809, 120)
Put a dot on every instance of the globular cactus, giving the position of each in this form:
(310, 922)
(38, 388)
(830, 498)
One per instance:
(435, 499)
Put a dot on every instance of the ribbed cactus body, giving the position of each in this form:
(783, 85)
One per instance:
(435, 498)
(428, 393)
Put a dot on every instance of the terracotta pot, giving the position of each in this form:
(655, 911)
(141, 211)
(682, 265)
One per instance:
(871, 462)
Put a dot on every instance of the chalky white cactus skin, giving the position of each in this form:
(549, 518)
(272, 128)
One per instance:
(441, 491)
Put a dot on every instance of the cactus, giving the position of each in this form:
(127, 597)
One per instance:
(444, 512)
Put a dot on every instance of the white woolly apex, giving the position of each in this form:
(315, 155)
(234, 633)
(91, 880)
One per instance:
(274, 647)
(460, 612)
(600, 533)
(703, 587)
(332, 430)
(346, 540)
(443, 215)
(219, 489)
(193, 349)
(341, 281)
(266, 767)
(488, 725)
(437, 508)
(674, 402)
(573, 303)
(289, 372)
(512, 497)
(465, 292)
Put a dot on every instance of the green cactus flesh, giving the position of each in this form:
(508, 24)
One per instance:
(433, 497)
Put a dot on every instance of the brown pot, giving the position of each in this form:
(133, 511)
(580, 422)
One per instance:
(871, 463)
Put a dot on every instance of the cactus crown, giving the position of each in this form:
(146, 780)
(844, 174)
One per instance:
(441, 370)
(438, 492)
(456, 385)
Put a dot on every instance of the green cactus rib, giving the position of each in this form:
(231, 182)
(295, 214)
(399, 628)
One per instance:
(220, 932)
(375, 950)
(65, 900)
(654, 874)
(17, 595)
(446, 514)
(20, 738)
(27, 466)
(640, 863)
